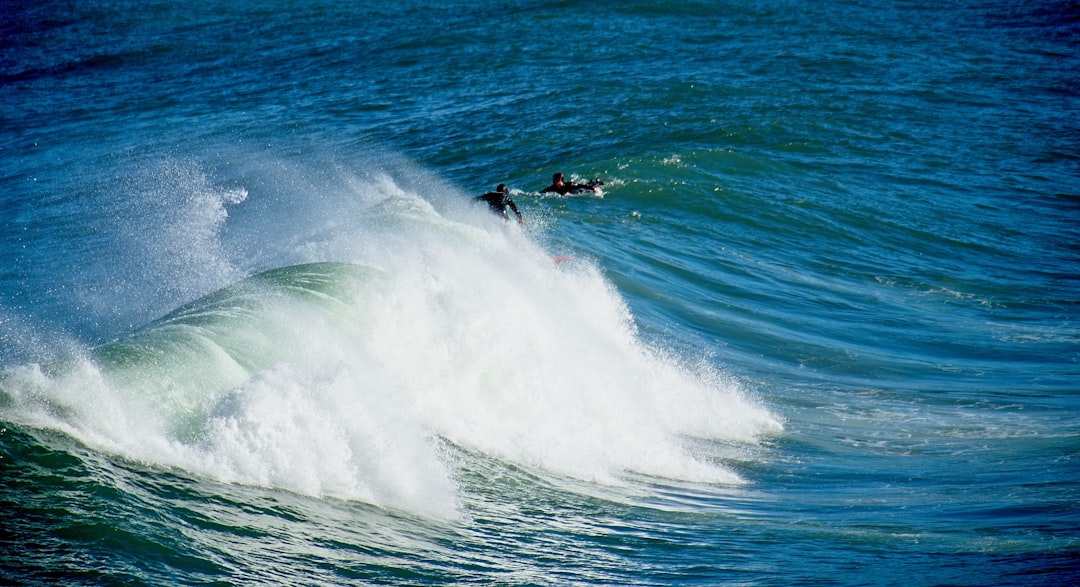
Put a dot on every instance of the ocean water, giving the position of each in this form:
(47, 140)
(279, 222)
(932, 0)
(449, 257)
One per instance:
(820, 328)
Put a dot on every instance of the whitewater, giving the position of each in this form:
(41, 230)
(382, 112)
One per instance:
(385, 330)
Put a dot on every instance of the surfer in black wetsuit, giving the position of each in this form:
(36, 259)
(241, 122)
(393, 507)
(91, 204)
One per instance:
(562, 188)
(499, 200)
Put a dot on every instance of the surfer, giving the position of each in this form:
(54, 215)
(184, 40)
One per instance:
(561, 187)
(499, 200)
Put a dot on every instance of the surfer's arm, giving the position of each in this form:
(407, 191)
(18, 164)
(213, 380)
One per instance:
(514, 207)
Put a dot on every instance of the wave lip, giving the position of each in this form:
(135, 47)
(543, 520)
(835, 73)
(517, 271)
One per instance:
(186, 360)
(348, 379)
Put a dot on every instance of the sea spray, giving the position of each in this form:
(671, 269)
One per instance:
(434, 322)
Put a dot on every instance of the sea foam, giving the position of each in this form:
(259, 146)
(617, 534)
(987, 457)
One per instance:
(394, 319)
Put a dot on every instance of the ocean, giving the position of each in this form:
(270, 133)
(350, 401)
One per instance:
(820, 327)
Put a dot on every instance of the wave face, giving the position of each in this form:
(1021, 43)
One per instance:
(348, 378)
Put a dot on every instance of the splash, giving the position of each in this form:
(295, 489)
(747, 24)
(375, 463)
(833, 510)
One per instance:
(394, 320)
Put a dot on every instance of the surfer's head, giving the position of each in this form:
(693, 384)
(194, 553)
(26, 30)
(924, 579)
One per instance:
(501, 188)
(557, 178)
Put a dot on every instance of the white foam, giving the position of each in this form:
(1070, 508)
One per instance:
(471, 333)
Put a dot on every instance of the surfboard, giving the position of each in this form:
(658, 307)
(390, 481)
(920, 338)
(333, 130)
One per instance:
(594, 192)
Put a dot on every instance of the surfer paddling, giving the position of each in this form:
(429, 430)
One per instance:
(499, 200)
(562, 187)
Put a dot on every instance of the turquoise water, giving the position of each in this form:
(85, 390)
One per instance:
(820, 328)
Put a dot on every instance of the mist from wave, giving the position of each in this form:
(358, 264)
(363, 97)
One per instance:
(392, 321)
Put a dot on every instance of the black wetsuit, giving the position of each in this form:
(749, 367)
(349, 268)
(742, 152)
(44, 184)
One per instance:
(498, 202)
(562, 190)
(568, 187)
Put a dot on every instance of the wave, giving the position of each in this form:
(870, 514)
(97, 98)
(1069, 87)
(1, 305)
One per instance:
(355, 376)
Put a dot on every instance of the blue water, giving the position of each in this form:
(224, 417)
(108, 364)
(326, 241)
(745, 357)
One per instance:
(820, 328)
